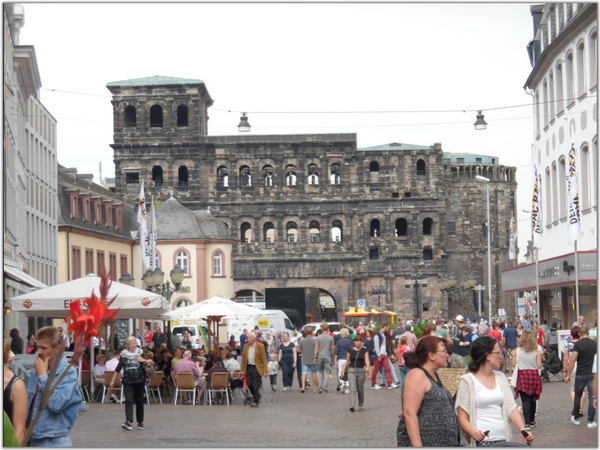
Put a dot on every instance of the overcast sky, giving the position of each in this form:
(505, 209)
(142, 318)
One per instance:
(415, 59)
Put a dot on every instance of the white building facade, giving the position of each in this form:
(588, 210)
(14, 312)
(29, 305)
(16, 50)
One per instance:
(30, 176)
(563, 84)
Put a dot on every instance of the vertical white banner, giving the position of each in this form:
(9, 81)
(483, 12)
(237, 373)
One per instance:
(574, 215)
(154, 237)
(536, 213)
(142, 220)
(512, 251)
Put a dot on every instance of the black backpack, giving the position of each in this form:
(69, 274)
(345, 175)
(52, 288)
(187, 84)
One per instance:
(371, 344)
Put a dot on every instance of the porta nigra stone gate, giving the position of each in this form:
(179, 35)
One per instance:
(315, 211)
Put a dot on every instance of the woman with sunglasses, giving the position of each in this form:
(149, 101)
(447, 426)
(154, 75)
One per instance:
(357, 366)
(484, 402)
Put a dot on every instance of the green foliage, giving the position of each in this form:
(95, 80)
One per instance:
(10, 437)
(418, 328)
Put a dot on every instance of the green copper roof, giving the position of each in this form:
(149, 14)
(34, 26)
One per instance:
(154, 81)
(395, 146)
(471, 158)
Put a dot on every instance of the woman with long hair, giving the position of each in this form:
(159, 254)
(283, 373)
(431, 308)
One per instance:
(356, 366)
(368, 335)
(484, 399)
(15, 397)
(527, 362)
(427, 418)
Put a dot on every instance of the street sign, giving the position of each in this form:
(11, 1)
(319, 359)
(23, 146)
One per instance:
(502, 312)
(361, 303)
(422, 281)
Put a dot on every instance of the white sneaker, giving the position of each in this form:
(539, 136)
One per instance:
(592, 425)
(346, 391)
(575, 421)
(376, 387)
(392, 386)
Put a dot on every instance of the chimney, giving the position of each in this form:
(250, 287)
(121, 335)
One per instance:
(86, 177)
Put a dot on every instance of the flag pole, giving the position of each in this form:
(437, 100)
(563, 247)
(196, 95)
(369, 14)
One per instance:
(576, 282)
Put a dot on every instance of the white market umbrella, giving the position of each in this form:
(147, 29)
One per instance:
(54, 301)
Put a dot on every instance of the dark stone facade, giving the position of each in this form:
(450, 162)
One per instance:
(398, 210)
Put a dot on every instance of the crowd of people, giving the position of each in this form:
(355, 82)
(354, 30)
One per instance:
(482, 412)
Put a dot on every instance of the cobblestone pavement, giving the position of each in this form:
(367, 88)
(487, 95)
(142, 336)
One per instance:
(292, 419)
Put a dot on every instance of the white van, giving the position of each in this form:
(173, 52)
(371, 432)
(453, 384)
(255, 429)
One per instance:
(271, 318)
(197, 330)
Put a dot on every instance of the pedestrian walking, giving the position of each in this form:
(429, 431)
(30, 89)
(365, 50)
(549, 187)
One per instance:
(356, 366)
(527, 363)
(254, 366)
(325, 351)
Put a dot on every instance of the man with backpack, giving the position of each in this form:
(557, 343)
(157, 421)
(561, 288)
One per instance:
(381, 357)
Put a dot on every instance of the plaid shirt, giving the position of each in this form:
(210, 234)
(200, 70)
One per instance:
(529, 382)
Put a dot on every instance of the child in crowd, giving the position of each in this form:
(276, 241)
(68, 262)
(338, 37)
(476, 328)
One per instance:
(273, 371)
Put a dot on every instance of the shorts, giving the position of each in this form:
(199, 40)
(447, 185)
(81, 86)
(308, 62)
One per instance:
(312, 368)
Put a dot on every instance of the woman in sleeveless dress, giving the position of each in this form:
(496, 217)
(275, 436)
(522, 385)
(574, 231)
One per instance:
(15, 397)
(428, 418)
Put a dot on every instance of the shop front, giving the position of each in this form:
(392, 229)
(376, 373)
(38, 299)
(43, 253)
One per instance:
(557, 299)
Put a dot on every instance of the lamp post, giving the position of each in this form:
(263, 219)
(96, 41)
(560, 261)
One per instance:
(485, 180)
(479, 288)
(377, 290)
(459, 293)
(154, 281)
(417, 279)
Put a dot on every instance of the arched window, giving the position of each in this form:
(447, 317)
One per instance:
(421, 167)
(157, 176)
(427, 226)
(182, 259)
(217, 264)
(537, 112)
(246, 176)
(182, 116)
(315, 231)
(183, 176)
(401, 227)
(427, 254)
(337, 231)
(546, 104)
(246, 232)
(375, 228)
(181, 304)
(560, 95)
(593, 52)
(562, 188)
(268, 232)
(313, 174)
(555, 194)
(291, 232)
(580, 69)
(222, 177)
(268, 175)
(584, 195)
(570, 78)
(130, 117)
(547, 215)
(290, 176)
(156, 116)
(373, 253)
(551, 97)
(374, 171)
(334, 174)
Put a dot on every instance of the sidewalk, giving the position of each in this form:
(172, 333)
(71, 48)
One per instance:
(291, 420)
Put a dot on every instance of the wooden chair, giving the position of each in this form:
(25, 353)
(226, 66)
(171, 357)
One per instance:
(450, 376)
(184, 382)
(219, 382)
(108, 376)
(86, 378)
(154, 387)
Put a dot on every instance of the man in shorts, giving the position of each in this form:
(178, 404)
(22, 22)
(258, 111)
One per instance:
(308, 346)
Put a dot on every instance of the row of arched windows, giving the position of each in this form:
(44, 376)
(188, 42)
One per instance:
(555, 195)
(268, 175)
(156, 116)
(336, 234)
(570, 78)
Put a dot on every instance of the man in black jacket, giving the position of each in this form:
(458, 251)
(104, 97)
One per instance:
(551, 363)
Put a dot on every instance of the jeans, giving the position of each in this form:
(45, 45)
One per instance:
(287, 367)
(357, 378)
(386, 364)
(581, 382)
(403, 371)
(299, 369)
(341, 364)
(529, 407)
(324, 367)
(134, 393)
(58, 441)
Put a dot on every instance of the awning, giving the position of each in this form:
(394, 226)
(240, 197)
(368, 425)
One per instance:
(21, 277)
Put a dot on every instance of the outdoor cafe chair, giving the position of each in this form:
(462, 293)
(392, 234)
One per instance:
(219, 382)
(154, 387)
(86, 377)
(108, 376)
(184, 382)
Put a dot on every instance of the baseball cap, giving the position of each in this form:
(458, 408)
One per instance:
(459, 318)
